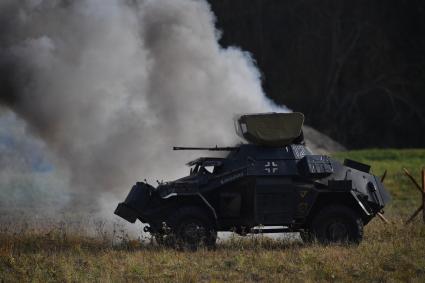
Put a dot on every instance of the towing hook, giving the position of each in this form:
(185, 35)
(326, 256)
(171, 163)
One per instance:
(147, 229)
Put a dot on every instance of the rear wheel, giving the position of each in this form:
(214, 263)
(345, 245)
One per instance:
(306, 236)
(337, 224)
(191, 228)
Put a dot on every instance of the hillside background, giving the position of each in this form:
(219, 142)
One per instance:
(355, 68)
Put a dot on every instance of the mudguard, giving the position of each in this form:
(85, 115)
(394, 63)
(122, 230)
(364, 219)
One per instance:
(135, 202)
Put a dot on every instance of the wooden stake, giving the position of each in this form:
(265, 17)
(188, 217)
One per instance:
(414, 214)
(413, 180)
(383, 218)
(423, 194)
(383, 176)
(422, 190)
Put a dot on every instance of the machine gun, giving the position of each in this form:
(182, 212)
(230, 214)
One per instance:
(216, 148)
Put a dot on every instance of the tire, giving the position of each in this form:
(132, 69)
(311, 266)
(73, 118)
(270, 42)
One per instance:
(337, 224)
(192, 228)
(164, 239)
(307, 236)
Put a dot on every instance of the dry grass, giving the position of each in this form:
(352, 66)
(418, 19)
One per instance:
(62, 252)
(388, 253)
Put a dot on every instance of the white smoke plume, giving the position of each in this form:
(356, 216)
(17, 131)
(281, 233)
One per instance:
(111, 85)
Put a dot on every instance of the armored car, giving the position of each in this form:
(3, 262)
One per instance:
(271, 184)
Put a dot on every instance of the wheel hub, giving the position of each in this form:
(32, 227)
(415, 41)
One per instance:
(193, 232)
(337, 231)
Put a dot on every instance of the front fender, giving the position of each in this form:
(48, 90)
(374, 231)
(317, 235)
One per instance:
(136, 201)
(198, 196)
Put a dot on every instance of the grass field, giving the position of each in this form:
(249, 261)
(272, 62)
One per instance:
(388, 253)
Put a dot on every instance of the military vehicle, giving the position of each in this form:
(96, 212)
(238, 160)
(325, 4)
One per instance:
(272, 184)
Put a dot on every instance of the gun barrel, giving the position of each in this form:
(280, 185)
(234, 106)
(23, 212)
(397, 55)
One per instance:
(216, 148)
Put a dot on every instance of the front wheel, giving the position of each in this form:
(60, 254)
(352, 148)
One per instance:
(337, 224)
(192, 228)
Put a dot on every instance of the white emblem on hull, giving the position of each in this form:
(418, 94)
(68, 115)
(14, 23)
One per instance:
(271, 167)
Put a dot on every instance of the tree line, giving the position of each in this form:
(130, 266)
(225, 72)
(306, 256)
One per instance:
(355, 68)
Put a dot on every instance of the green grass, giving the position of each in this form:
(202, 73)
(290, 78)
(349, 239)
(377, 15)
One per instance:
(388, 253)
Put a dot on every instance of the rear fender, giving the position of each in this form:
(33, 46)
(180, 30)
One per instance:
(345, 198)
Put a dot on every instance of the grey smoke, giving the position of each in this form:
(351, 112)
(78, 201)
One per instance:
(110, 86)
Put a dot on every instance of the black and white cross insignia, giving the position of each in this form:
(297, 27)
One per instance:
(271, 167)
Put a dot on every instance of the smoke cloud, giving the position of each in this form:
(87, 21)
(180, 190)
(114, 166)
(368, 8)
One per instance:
(109, 86)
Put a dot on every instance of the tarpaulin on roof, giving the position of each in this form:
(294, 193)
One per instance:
(270, 129)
